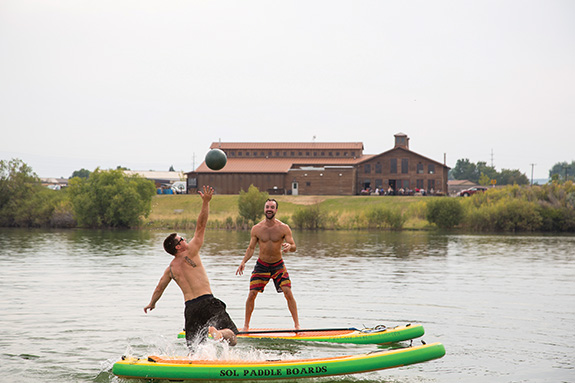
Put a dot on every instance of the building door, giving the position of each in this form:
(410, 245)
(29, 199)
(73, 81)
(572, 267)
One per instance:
(392, 185)
(294, 190)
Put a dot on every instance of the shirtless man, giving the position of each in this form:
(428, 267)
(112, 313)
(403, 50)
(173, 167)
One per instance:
(203, 313)
(273, 237)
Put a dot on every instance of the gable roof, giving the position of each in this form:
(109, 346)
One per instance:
(276, 165)
(287, 145)
(405, 150)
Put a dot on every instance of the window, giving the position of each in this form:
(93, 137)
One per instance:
(420, 168)
(367, 168)
(308, 184)
(431, 169)
(420, 184)
(277, 154)
(393, 166)
(378, 183)
(378, 168)
(430, 184)
(404, 165)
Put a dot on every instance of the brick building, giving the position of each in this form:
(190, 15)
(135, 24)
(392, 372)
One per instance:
(319, 168)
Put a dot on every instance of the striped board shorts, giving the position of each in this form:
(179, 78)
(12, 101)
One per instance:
(264, 271)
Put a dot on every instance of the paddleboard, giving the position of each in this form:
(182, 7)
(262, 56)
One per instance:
(376, 335)
(184, 368)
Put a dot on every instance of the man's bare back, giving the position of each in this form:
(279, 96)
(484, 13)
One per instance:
(190, 274)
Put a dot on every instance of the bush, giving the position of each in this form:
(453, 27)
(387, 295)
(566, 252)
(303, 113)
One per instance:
(24, 202)
(310, 217)
(251, 204)
(111, 199)
(385, 218)
(444, 212)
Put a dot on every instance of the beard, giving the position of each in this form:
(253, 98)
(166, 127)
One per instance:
(270, 215)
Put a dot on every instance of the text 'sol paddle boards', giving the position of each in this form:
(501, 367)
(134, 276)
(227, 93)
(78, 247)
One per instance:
(158, 367)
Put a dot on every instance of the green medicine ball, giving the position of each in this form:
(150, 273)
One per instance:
(216, 159)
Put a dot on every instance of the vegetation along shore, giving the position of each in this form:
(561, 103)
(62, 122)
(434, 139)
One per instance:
(110, 199)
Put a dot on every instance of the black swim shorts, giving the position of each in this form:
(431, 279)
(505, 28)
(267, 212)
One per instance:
(202, 312)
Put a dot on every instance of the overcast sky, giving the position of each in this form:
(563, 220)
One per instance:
(150, 84)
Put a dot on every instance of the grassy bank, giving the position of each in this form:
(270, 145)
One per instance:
(342, 212)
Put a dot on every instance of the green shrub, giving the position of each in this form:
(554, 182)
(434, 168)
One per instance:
(446, 212)
(251, 204)
(111, 199)
(516, 215)
(385, 218)
(309, 217)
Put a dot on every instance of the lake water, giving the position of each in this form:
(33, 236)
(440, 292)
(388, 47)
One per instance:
(71, 302)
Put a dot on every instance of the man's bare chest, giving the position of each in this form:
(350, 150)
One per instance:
(271, 236)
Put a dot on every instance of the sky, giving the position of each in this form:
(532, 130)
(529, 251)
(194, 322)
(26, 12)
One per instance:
(151, 84)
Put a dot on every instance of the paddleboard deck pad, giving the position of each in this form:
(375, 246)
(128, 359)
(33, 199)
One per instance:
(183, 368)
(376, 335)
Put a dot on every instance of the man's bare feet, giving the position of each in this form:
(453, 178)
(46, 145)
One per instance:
(214, 333)
(225, 334)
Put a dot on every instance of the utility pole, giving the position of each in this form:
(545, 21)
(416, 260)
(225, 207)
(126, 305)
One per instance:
(532, 165)
(491, 157)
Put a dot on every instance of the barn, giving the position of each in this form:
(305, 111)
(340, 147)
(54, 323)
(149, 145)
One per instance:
(321, 168)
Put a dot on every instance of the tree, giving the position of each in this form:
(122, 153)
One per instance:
(483, 174)
(82, 173)
(111, 199)
(251, 203)
(563, 171)
(23, 200)
(488, 171)
(465, 170)
(511, 177)
(172, 169)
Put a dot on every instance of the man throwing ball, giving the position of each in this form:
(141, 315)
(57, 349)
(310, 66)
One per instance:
(204, 313)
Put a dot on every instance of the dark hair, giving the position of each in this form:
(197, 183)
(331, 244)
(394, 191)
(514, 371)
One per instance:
(273, 200)
(170, 244)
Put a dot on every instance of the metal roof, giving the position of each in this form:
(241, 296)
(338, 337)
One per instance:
(153, 175)
(276, 165)
(287, 145)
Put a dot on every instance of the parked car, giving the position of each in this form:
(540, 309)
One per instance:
(179, 187)
(471, 191)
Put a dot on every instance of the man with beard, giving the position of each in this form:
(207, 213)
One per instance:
(273, 237)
